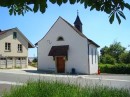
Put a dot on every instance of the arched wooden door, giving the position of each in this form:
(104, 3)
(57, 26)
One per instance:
(60, 65)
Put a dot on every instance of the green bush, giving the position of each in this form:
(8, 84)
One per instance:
(115, 69)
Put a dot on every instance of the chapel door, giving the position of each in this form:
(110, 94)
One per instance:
(60, 65)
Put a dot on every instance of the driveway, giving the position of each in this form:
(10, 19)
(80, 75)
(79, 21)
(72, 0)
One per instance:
(10, 77)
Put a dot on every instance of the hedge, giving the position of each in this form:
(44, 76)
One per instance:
(115, 69)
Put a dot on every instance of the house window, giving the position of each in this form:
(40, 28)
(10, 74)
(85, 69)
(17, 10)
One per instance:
(20, 48)
(92, 55)
(14, 35)
(60, 38)
(7, 46)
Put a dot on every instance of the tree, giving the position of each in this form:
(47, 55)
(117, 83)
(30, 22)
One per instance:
(125, 57)
(104, 50)
(35, 60)
(112, 7)
(107, 59)
(112, 53)
(116, 49)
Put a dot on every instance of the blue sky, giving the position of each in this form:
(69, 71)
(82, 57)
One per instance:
(96, 25)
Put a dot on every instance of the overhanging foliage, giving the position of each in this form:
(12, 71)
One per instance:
(112, 7)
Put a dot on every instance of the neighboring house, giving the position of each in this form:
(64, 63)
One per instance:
(13, 49)
(65, 49)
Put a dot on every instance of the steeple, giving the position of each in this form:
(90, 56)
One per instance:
(78, 23)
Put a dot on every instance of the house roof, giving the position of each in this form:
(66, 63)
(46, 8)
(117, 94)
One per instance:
(74, 28)
(30, 45)
(61, 50)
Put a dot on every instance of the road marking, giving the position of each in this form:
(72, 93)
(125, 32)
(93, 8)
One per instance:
(101, 78)
(10, 83)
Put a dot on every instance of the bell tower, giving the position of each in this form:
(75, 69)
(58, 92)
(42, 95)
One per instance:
(78, 23)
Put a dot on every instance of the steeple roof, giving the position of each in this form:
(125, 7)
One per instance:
(77, 21)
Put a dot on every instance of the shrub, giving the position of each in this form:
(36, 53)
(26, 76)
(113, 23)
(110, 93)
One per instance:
(116, 69)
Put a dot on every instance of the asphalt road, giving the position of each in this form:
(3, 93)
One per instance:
(19, 77)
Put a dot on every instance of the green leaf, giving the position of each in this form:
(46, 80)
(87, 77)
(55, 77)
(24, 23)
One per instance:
(111, 18)
(98, 6)
(59, 2)
(92, 7)
(14, 13)
(118, 18)
(28, 8)
(102, 8)
(42, 8)
(11, 11)
(85, 4)
(89, 2)
(53, 1)
(78, 1)
(72, 1)
(43, 5)
(82, 1)
(36, 7)
(122, 5)
(65, 1)
(122, 14)
(127, 5)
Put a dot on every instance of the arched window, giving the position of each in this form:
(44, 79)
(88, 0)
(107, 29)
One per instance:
(60, 38)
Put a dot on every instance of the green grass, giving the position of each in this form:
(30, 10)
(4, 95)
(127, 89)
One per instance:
(56, 89)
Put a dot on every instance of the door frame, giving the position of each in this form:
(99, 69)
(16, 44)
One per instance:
(56, 63)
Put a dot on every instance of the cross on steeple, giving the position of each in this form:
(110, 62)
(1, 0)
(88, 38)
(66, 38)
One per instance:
(77, 12)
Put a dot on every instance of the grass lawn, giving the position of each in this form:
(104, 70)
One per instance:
(56, 89)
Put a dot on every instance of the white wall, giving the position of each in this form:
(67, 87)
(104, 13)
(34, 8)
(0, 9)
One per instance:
(77, 53)
(93, 59)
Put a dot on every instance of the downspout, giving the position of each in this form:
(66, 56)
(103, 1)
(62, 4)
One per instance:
(36, 45)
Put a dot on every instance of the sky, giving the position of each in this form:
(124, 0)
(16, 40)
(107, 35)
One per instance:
(96, 25)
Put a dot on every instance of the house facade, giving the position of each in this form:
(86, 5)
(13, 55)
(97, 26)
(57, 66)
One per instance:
(65, 49)
(13, 49)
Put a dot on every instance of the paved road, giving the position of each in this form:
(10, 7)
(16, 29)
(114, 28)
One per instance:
(19, 77)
